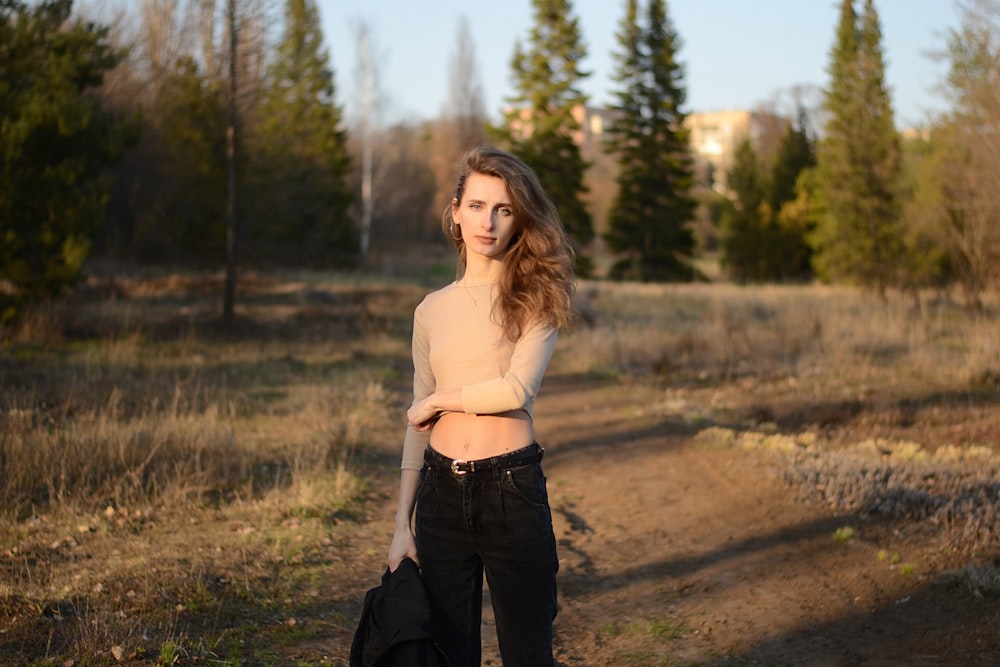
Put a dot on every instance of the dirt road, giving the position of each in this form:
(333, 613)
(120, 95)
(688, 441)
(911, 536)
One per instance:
(674, 552)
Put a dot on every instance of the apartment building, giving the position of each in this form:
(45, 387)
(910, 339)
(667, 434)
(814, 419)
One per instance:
(714, 137)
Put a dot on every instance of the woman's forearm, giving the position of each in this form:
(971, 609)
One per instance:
(409, 482)
(422, 413)
(448, 400)
(403, 544)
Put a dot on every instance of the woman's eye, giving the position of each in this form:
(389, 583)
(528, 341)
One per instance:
(474, 206)
(504, 211)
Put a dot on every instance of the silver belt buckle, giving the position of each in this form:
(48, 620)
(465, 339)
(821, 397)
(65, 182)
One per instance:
(455, 470)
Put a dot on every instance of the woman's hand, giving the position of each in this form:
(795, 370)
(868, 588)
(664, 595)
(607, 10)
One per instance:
(423, 414)
(403, 546)
(426, 411)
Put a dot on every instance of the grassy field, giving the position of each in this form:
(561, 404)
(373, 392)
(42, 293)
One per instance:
(172, 492)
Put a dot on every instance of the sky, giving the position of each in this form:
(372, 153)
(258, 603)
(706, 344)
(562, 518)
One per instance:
(737, 54)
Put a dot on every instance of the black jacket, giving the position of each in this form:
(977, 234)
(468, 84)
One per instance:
(395, 626)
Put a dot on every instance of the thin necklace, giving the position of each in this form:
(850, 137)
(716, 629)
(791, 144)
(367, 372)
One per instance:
(468, 290)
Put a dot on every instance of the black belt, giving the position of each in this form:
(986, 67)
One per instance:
(459, 467)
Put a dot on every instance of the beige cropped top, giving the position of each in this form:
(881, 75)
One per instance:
(457, 343)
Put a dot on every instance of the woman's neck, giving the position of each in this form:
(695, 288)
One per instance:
(485, 270)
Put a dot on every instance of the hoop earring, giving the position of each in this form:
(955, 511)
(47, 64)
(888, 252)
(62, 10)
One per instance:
(452, 227)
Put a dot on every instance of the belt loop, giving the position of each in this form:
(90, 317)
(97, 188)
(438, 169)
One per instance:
(498, 474)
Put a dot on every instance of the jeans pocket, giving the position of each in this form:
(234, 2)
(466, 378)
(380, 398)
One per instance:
(527, 483)
(425, 493)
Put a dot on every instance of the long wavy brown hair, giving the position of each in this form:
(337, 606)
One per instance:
(536, 284)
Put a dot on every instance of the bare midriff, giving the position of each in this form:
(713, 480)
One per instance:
(458, 435)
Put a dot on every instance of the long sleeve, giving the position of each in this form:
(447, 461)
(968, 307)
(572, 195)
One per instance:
(518, 387)
(414, 442)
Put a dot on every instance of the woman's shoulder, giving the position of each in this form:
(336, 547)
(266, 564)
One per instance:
(437, 297)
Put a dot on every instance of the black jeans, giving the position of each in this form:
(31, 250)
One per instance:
(497, 520)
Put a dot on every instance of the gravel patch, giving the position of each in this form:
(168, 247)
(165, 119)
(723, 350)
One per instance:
(954, 489)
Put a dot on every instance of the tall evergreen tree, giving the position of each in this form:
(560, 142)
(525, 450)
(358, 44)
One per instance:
(184, 218)
(792, 256)
(302, 197)
(765, 235)
(56, 147)
(745, 231)
(859, 159)
(543, 118)
(795, 153)
(650, 216)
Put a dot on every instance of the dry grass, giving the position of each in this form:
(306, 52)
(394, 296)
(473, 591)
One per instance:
(172, 492)
(727, 331)
(142, 419)
(128, 422)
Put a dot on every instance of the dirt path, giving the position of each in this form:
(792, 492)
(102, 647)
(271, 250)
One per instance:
(676, 553)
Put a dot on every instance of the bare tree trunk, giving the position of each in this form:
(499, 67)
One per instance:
(229, 298)
(466, 108)
(162, 40)
(206, 33)
(367, 136)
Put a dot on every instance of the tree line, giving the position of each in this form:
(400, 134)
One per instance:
(115, 133)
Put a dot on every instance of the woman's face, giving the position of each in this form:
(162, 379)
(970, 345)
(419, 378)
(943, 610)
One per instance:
(485, 216)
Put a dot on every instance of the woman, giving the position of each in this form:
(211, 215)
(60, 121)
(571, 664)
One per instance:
(471, 465)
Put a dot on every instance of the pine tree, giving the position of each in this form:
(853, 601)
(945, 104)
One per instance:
(185, 217)
(649, 218)
(745, 231)
(792, 256)
(301, 161)
(795, 153)
(56, 147)
(542, 120)
(859, 239)
(764, 236)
